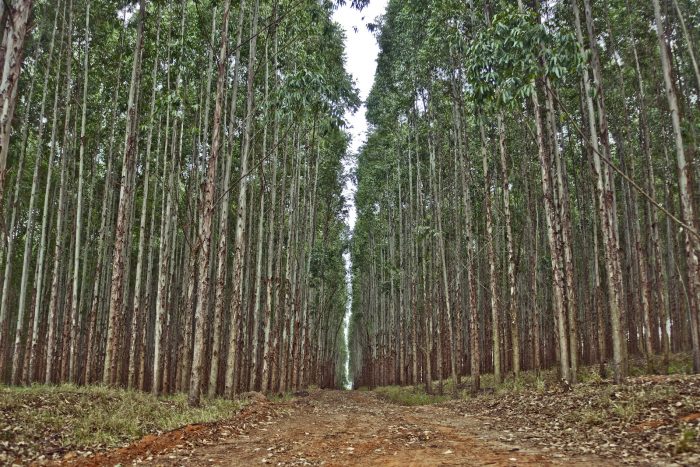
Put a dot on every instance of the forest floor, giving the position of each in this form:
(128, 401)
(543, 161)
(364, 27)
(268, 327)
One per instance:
(334, 428)
(41, 423)
(650, 420)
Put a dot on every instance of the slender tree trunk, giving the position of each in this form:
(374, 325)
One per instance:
(58, 249)
(222, 247)
(75, 311)
(269, 279)
(443, 263)
(692, 242)
(126, 195)
(605, 201)
(14, 32)
(167, 246)
(240, 234)
(660, 278)
(28, 242)
(41, 256)
(512, 297)
(558, 286)
(493, 290)
(209, 188)
(138, 305)
(562, 188)
(8, 248)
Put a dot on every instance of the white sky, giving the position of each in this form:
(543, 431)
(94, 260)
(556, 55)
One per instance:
(361, 53)
(361, 61)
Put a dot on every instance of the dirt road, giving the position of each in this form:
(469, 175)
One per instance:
(335, 428)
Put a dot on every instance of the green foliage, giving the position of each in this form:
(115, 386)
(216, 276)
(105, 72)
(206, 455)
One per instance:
(505, 58)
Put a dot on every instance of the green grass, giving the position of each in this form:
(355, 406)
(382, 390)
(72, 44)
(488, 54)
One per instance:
(589, 416)
(541, 382)
(97, 416)
(409, 395)
(526, 381)
(678, 364)
(688, 441)
(280, 397)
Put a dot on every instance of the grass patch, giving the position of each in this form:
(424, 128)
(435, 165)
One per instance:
(681, 364)
(548, 379)
(688, 441)
(590, 375)
(409, 395)
(281, 397)
(589, 416)
(624, 403)
(678, 364)
(525, 382)
(43, 419)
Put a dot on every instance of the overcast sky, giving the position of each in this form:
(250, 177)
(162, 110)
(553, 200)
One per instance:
(361, 61)
(361, 54)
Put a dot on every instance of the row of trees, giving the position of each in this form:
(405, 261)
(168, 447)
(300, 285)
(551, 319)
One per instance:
(528, 194)
(173, 218)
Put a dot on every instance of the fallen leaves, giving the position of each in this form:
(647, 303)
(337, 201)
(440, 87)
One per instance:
(649, 419)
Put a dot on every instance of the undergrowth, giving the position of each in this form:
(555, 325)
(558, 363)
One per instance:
(97, 416)
(409, 395)
(540, 382)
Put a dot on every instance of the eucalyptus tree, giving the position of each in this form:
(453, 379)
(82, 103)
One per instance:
(15, 21)
(208, 215)
(119, 282)
(498, 105)
(115, 317)
(478, 111)
(685, 187)
(240, 231)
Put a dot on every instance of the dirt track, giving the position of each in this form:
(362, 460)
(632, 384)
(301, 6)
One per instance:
(334, 428)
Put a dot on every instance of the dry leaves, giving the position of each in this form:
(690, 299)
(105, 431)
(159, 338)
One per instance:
(649, 419)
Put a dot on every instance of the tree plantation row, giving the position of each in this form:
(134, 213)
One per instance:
(528, 195)
(172, 217)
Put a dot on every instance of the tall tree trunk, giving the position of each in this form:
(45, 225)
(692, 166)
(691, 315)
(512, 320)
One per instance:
(512, 297)
(659, 272)
(493, 290)
(58, 248)
(558, 286)
(11, 240)
(37, 291)
(443, 264)
(138, 305)
(28, 242)
(605, 196)
(692, 242)
(224, 209)
(269, 278)
(240, 234)
(75, 311)
(14, 32)
(126, 199)
(209, 188)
